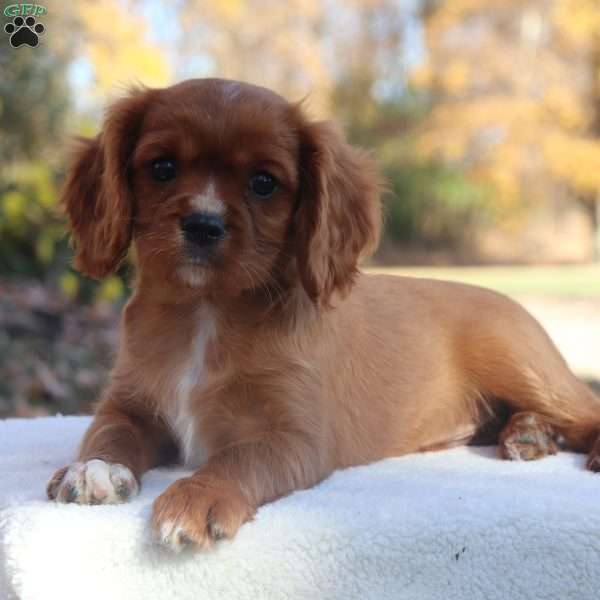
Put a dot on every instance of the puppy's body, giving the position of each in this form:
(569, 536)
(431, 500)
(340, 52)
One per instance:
(251, 347)
(452, 352)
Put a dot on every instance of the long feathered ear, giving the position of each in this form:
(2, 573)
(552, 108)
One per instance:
(338, 219)
(97, 196)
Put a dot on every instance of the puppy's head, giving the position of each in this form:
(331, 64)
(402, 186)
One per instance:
(223, 187)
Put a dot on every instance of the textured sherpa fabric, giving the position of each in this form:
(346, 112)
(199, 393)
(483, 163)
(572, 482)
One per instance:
(457, 524)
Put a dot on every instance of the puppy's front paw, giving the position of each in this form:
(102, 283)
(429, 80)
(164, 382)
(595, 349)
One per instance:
(93, 482)
(199, 510)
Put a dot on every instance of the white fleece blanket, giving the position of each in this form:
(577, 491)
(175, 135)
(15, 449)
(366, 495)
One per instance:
(457, 524)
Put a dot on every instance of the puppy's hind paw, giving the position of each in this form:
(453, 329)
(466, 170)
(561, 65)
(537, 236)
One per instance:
(527, 437)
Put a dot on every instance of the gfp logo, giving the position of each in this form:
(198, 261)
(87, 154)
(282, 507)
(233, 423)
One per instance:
(24, 30)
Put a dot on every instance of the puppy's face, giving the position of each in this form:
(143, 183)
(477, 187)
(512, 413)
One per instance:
(214, 176)
(223, 187)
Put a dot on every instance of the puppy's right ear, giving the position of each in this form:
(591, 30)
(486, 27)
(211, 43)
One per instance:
(97, 196)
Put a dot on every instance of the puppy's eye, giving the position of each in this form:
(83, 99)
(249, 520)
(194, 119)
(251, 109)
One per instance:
(262, 184)
(163, 169)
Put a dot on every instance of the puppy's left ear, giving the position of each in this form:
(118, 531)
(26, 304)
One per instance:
(338, 220)
(97, 196)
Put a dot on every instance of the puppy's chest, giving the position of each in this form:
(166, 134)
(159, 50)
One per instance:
(189, 375)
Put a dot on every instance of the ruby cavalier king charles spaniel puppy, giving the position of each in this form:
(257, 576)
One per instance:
(252, 347)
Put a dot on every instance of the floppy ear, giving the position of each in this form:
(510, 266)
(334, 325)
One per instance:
(338, 219)
(97, 196)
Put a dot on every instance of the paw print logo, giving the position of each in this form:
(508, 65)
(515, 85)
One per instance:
(24, 32)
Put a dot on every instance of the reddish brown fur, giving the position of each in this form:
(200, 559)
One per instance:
(311, 366)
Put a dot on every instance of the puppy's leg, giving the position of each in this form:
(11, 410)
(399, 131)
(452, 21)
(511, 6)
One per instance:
(221, 496)
(550, 402)
(254, 460)
(266, 434)
(117, 448)
(512, 358)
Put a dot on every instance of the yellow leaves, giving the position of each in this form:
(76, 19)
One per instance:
(111, 289)
(573, 159)
(505, 183)
(455, 77)
(533, 133)
(452, 12)
(44, 246)
(230, 10)
(28, 180)
(69, 284)
(448, 145)
(504, 136)
(490, 118)
(491, 138)
(578, 20)
(565, 107)
(422, 77)
(116, 44)
(14, 206)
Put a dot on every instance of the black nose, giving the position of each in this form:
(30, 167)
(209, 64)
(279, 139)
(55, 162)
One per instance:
(203, 229)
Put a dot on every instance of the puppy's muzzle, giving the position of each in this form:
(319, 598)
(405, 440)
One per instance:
(203, 230)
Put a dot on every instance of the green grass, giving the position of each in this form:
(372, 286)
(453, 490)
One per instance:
(577, 281)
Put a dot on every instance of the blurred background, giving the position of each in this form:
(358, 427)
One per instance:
(484, 115)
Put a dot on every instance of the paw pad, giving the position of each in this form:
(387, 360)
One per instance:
(24, 32)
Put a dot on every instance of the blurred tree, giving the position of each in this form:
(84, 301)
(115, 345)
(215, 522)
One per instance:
(428, 205)
(33, 101)
(33, 108)
(367, 68)
(576, 159)
(38, 116)
(275, 44)
(514, 89)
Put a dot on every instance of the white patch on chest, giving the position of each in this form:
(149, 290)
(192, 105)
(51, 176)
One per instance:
(191, 376)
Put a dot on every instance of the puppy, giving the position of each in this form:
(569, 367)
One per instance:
(252, 347)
